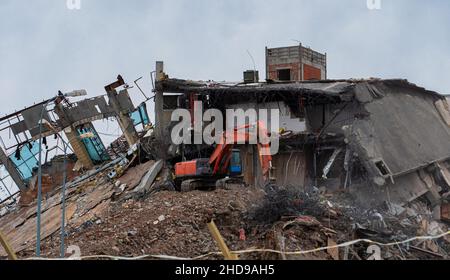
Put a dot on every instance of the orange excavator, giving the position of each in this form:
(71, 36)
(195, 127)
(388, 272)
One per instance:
(225, 162)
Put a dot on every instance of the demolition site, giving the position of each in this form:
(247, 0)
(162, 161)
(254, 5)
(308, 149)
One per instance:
(306, 168)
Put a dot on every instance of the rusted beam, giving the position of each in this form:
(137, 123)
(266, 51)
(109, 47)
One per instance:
(116, 84)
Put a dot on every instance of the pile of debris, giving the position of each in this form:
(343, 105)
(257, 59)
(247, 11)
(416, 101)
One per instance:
(345, 175)
(120, 219)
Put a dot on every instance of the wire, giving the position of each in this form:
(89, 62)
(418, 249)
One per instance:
(346, 244)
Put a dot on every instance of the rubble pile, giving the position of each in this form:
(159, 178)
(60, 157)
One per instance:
(168, 223)
(278, 218)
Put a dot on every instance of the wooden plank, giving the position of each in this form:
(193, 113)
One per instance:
(24, 237)
(221, 243)
(7, 247)
(445, 212)
(149, 178)
(333, 252)
(93, 214)
(426, 252)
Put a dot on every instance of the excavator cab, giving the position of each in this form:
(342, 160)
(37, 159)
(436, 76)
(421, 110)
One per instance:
(236, 163)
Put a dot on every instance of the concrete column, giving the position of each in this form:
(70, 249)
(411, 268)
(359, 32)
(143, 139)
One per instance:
(267, 64)
(300, 53)
(78, 147)
(159, 102)
(74, 139)
(13, 172)
(124, 120)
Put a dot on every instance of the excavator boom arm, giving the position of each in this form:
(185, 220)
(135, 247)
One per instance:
(221, 156)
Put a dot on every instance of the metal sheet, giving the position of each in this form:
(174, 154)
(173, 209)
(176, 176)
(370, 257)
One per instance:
(33, 115)
(19, 127)
(86, 110)
(125, 102)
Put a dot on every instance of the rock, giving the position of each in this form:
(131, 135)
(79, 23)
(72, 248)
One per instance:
(434, 228)
(116, 249)
(307, 221)
(117, 184)
(395, 209)
(161, 218)
(167, 204)
(315, 191)
(132, 232)
(411, 212)
(329, 204)
(406, 223)
(437, 213)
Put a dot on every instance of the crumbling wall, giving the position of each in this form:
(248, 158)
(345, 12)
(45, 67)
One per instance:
(395, 139)
(331, 118)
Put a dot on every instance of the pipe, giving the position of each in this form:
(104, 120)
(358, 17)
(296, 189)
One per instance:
(63, 200)
(39, 194)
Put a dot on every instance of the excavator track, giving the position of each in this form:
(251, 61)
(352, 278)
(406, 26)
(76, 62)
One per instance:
(191, 185)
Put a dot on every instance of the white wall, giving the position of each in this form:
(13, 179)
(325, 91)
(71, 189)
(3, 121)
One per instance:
(287, 121)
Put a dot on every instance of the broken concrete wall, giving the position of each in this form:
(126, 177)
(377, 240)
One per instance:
(333, 117)
(388, 125)
(406, 189)
(52, 178)
(395, 138)
(387, 128)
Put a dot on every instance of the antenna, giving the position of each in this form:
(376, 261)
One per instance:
(254, 65)
(140, 89)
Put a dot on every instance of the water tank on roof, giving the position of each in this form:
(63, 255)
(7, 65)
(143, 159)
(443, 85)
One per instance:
(251, 76)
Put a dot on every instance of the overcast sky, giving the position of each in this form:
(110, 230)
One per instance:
(45, 47)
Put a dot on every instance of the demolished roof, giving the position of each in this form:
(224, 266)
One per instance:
(344, 90)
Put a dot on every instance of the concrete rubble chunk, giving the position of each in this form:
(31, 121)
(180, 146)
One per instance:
(395, 209)
(149, 178)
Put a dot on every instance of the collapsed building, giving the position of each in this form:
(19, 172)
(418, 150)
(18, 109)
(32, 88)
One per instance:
(75, 121)
(384, 142)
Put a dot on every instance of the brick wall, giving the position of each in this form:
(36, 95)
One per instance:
(314, 63)
(295, 71)
(52, 177)
(311, 73)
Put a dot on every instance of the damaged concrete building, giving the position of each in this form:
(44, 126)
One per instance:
(383, 140)
(296, 63)
(75, 120)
